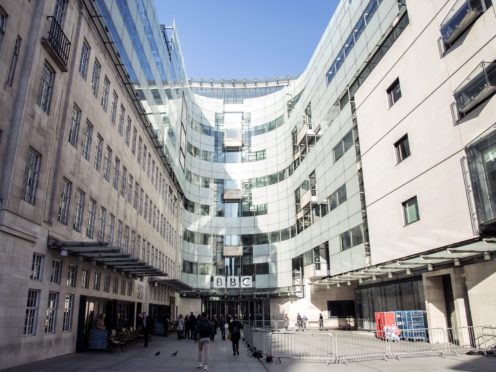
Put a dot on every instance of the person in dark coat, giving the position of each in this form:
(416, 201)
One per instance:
(147, 327)
(222, 326)
(235, 328)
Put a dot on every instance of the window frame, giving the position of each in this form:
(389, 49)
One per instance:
(405, 205)
(392, 92)
(402, 152)
(46, 87)
(31, 315)
(31, 176)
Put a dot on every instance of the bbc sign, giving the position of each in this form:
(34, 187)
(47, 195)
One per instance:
(233, 282)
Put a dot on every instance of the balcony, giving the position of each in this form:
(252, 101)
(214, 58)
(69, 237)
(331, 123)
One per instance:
(232, 144)
(304, 132)
(232, 194)
(477, 87)
(307, 199)
(57, 44)
(459, 18)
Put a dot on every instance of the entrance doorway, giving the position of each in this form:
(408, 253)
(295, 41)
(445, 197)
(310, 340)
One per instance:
(256, 311)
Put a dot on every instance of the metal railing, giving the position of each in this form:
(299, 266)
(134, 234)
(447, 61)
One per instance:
(346, 346)
(58, 41)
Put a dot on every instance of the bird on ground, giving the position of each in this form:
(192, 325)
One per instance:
(174, 353)
(157, 353)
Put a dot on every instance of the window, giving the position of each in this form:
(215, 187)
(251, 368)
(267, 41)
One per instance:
(68, 309)
(88, 137)
(46, 87)
(56, 273)
(394, 92)
(85, 278)
(51, 316)
(337, 197)
(98, 152)
(410, 211)
(128, 131)
(123, 286)
(111, 229)
(115, 285)
(31, 175)
(37, 267)
(13, 62)
(95, 79)
(136, 195)
(145, 150)
(85, 57)
(117, 166)
(130, 288)
(78, 213)
(402, 149)
(460, 18)
(122, 114)
(90, 229)
(75, 123)
(133, 143)
(106, 283)
(31, 317)
(107, 164)
(351, 237)
(118, 241)
(113, 108)
(341, 309)
(72, 275)
(96, 281)
(124, 181)
(130, 189)
(59, 11)
(105, 94)
(343, 146)
(140, 145)
(3, 23)
(65, 199)
(102, 224)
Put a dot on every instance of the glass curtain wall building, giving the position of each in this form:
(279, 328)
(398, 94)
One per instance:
(274, 194)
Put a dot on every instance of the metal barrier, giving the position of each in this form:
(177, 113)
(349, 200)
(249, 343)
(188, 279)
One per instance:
(342, 346)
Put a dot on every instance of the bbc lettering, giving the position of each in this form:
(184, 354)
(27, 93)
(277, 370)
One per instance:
(232, 282)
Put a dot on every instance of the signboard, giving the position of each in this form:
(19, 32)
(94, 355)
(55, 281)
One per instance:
(233, 250)
(232, 282)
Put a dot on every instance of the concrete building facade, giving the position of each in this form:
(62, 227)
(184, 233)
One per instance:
(365, 184)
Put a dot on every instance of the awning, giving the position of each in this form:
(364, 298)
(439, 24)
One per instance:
(176, 284)
(456, 255)
(106, 255)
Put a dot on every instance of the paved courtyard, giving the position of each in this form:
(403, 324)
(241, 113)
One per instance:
(139, 358)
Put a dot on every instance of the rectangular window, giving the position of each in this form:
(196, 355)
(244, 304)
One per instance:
(31, 317)
(394, 92)
(140, 145)
(410, 211)
(51, 316)
(142, 193)
(145, 150)
(90, 229)
(145, 215)
(115, 285)
(113, 108)
(3, 23)
(75, 123)
(124, 181)
(130, 189)
(106, 283)
(31, 175)
(85, 57)
(337, 197)
(78, 213)
(133, 143)
(111, 229)
(125, 243)
(136, 195)
(118, 241)
(105, 94)
(71, 275)
(123, 286)
(351, 237)
(65, 198)
(46, 87)
(128, 131)
(149, 163)
(56, 274)
(85, 278)
(37, 267)
(68, 310)
(102, 224)
(96, 281)
(130, 288)
(98, 152)
(13, 62)
(344, 145)
(95, 79)
(117, 166)
(88, 138)
(107, 164)
(122, 114)
(402, 149)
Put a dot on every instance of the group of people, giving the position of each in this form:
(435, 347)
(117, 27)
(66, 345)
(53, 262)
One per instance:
(203, 329)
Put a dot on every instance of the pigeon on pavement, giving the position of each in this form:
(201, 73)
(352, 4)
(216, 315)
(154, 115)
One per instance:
(157, 353)
(174, 353)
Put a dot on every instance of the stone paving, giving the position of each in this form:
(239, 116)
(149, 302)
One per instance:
(139, 358)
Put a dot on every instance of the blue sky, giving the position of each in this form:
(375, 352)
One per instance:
(247, 38)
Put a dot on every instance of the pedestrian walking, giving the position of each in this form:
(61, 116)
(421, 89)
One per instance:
(222, 326)
(205, 331)
(235, 328)
(147, 326)
(299, 322)
(180, 327)
(321, 322)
